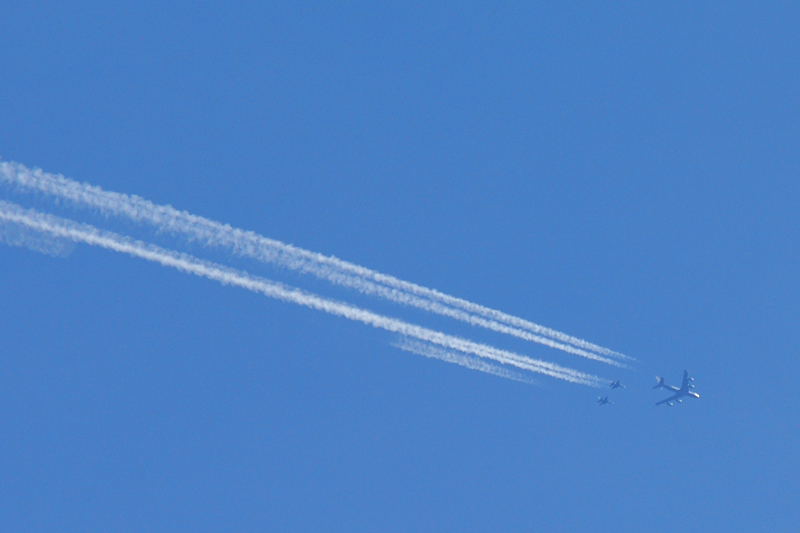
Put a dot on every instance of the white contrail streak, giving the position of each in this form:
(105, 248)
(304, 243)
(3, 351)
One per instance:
(434, 352)
(19, 235)
(62, 228)
(251, 245)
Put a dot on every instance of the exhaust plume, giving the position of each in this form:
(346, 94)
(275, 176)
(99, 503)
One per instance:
(248, 244)
(84, 233)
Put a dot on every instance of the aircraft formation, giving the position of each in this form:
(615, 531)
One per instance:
(684, 391)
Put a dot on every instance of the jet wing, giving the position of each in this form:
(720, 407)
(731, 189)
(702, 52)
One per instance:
(685, 384)
(669, 400)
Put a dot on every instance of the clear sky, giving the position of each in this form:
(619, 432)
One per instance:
(627, 174)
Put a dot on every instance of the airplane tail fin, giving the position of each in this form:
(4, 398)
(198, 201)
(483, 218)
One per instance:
(660, 383)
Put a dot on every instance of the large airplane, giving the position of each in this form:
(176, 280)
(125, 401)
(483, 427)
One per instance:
(685, 389)
(617, 385)
(603, 401)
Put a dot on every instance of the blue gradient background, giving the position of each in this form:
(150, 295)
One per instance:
(627, 174)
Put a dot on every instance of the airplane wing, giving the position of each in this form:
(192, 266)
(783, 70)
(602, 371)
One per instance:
(669, 400)
(685, 383)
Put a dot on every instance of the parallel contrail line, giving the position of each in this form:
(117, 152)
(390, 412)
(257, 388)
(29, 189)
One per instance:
(249, 244)
(450, 356)
(62, 228)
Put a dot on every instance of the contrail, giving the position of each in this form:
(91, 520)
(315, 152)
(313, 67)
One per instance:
(62, 228)
(434, 352)
(15, 234)
(251, 245)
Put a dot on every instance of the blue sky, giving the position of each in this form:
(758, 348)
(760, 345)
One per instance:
(626, 174)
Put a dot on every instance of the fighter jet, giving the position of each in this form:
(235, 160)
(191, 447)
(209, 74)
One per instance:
(617, 385)
(685, 389)
(603, 401)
